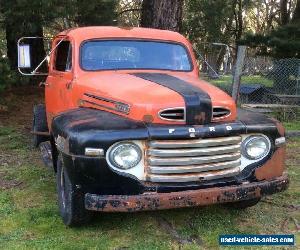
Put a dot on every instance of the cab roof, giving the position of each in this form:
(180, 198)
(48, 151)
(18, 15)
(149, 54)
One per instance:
(94, 32)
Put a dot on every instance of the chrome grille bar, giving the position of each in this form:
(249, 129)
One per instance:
(209, 175)
(194, 151)
(179, 161)
(198, 143)
(193, 168)
(193, 160)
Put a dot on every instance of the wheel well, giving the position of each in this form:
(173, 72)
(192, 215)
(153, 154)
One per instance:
(39, 125)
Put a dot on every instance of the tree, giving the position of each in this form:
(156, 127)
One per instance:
(162, 14)
(18, 24)
(296, 15)
(32, 17)
(207, 22)
(263, 16)
(238, 15)
(285, 11)
(129, 12)
(283, 45)
(27, 18)
(96, 12)
(281, 42)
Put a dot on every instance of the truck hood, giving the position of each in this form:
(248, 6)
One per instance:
(154, 97)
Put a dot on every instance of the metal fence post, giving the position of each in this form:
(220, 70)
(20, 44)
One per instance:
(238, 72)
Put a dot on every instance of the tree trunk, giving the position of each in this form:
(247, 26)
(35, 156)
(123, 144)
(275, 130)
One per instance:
(284, 16)
(162, 14)
(238, 14)
(296, 15)
(11, 42)
(240, 20)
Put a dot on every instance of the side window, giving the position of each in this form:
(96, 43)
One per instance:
(63, 60)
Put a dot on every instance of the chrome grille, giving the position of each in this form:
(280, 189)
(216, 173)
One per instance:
(219, 112)
(172, 114)
(193, 160)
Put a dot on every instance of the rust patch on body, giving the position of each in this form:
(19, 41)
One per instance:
(148, 118)
(50, 117)
(274, 167)
(280, 128)
(191, 198)
(200, 118)
(82, 121)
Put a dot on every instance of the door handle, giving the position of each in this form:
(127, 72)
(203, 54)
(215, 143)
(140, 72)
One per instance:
(43, 84)
(69, 85)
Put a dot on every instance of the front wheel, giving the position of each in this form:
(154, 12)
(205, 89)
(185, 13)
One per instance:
(70, 200)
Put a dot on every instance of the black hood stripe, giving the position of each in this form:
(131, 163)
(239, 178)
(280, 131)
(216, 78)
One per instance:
(197, 102)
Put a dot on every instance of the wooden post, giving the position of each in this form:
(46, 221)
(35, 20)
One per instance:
(236, 82)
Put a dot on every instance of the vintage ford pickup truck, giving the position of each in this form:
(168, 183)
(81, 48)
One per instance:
(133, 128)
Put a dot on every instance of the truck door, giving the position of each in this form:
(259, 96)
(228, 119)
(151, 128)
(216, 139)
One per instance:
(59, 82)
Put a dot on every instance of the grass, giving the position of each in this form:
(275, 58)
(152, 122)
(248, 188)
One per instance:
(225, 81)
(29, 216)
(292, 125)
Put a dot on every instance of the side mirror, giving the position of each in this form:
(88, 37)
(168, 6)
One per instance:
(24, 56)
(28, 64)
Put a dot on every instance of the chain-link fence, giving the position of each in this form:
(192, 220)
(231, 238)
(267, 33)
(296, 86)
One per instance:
(274, 86)
(267, 85)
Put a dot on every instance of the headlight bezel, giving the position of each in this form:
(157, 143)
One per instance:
(113, 149)
(250, 139)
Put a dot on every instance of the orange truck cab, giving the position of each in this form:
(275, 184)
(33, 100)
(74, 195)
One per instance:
(133, 128)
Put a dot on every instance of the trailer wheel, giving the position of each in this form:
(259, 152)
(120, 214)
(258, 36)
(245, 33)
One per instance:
(70, 200)
(242, 204)
(39, 124)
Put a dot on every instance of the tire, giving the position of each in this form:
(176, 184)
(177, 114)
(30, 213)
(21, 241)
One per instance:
(242, 204)
(70, 200)
(39, 124)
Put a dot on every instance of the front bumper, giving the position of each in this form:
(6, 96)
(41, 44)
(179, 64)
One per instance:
(191, 198)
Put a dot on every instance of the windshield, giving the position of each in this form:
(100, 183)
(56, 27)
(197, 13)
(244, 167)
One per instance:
(124, 54)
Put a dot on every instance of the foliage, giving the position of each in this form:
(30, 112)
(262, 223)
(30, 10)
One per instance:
(208, 21)
(7, 77)
(204, 22)
(129, 12)
(40, 18)
(2, 44)
(91, 13)
(10, 78)
(282, 42)
(221, 21)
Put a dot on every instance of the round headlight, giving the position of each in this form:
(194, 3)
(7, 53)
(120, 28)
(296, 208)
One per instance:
(256, 147)
(125, 155)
